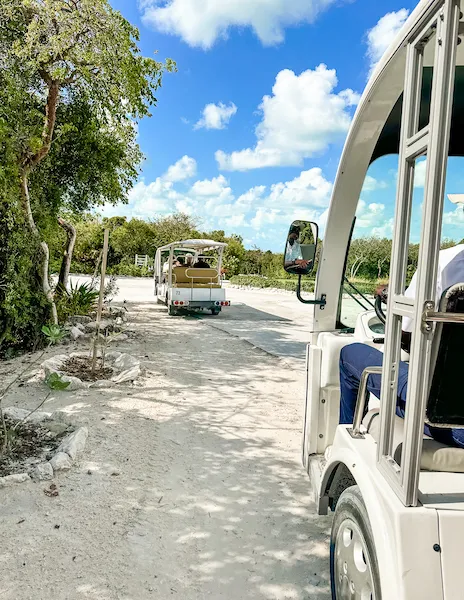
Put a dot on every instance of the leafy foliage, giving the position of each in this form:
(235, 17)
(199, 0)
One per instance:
(53, 333)
(258, 281)
(55, 382)
(73, 84)
(80, 299)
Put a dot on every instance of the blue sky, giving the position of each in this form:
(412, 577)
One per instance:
(247, 134)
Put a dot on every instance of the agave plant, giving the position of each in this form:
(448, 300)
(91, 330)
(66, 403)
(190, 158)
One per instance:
(53, 333)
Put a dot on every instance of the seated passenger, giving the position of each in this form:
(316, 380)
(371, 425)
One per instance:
(189, 261)
(357, 357)
(293, 253)
(181, 261)
(201, 264)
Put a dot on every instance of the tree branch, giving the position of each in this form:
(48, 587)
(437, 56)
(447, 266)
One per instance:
(67, 255)
(49, 123)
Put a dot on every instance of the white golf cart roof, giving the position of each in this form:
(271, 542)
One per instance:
(194, 245)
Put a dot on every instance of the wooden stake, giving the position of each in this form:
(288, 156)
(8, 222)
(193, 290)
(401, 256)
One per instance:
(100, 299)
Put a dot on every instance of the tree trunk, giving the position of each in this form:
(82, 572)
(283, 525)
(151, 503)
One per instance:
(28, 163)
(67, 255)
(47, 290)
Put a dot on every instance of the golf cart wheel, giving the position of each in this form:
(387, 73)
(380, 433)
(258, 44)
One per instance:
(172, 312)
(215, 311)
(354, 570)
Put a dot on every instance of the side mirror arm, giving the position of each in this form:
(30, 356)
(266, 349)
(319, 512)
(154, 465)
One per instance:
(322, 302)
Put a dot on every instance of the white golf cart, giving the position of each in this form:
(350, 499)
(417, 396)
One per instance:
(183, 286)
(398, 496)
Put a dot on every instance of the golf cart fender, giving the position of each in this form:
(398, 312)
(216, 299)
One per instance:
(404, 537)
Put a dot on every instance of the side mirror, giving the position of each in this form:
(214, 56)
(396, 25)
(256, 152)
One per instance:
(301, 246)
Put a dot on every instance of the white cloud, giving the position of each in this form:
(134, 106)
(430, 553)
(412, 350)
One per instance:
(219, 207)
(381, 36)
(183, 169)
(301, 118)
(216, 116)
(146, 200)
(310, 188)
(371, 184)
(252, 196)
(369, 215)
(454, 217)
(419, 173)
(201, 22)
(216, 188)
(385, 230)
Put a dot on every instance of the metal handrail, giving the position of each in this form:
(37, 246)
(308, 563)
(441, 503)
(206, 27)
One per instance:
(211, 279)
(443, 317)
(430, 316)
(362, 400)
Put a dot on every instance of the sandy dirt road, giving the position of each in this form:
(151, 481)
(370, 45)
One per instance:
(190, 486)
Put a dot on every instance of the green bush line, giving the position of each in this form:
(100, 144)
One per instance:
(257, 281)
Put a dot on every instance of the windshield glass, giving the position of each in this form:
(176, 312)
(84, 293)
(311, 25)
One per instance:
(368, 259)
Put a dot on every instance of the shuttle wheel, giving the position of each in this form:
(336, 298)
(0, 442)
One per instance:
(172, 312)
(354, 570)
(215, 311)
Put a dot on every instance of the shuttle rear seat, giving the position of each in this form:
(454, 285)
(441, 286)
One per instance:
(183, 277)
(435, 456)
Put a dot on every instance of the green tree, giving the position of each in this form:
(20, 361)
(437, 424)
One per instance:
(52, 50)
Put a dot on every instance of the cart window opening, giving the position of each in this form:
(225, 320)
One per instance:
(369, 253)
(424, 62)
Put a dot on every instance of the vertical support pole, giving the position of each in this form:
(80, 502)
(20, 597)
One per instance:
(100, 299)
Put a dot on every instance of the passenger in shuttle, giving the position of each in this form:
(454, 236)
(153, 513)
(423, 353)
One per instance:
(293, 254)
(201, 264)
(355, 358)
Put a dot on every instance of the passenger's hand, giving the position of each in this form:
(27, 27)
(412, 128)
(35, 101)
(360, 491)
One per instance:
(382, 291)
(302, 263)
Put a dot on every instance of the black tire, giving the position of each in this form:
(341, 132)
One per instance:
(172, 312)
(215, 311)
(352, 533)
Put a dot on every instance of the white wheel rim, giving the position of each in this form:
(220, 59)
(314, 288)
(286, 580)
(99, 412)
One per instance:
(352, 572)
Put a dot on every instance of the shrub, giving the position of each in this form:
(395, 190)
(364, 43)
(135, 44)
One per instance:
(129, 270)
(258, 281)
(78, 300)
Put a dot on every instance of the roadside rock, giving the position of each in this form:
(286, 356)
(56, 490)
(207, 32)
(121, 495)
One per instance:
(79, 319)
(76, 333)
(74, 444)
(61, 416)
(55, 427)
(128, 375)
(13, 479)
(119, 337)
(18, 414)
(43, 472)
(61, 462)
(92, 326)
(126, 361)
(54, 364)
(75, 383)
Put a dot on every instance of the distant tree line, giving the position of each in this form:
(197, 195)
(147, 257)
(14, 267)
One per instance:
(368, 257)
